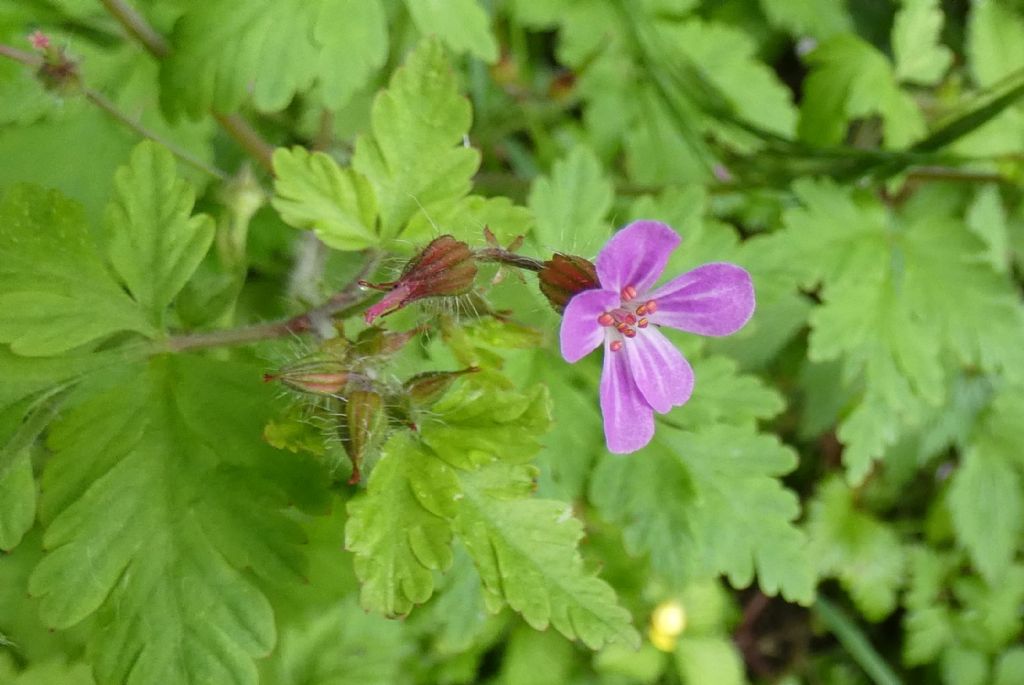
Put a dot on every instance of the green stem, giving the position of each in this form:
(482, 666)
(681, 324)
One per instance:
(500, 256)
(348, 298)
(39, 417)
(235, 126)
(855, 642)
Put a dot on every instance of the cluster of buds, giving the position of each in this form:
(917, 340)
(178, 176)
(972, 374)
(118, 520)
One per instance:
(341, 379)
(58, 72)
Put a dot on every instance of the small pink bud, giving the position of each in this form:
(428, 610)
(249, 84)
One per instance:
(39, 40)
(564, 276)
(445, 267)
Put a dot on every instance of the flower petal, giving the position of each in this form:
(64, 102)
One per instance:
(715, 299)
(636, 255)
(581, 333)
(660, 371)
(628, 419)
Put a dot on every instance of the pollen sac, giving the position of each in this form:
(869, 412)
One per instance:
(564, 276)
(424, 389)
(445, 267)
(361, 424)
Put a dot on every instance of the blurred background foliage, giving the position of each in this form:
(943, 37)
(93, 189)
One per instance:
(856, 448)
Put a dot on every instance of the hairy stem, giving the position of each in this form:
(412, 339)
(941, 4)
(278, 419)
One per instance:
(496, 254)
(233, 124)
(348, 297)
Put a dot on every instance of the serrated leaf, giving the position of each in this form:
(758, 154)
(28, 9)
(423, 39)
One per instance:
(223, 53)
(479, 421)
(17, 500)
(525, 550)
(985, 496)
(864, 553)
(818, 18)
(311, 191)
(155, 468)
(851, 79)
(463, 25)
(995, 41)
(55, 292)
(962, 666)
(916, 32)
(987, 219)
(399, 530)
(467, 217)
(703, 503)
(570, 205)
(414, 155)
(154, 242)
(928, 622)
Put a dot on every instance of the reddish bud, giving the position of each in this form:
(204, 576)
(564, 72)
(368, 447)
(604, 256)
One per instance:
(39, 40)
(376, 341)
(563, 276)
(361, 421)
(424, 389)
(446, 267)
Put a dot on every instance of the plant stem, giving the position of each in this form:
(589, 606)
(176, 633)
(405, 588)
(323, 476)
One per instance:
(496, 254)
(26, 58)
(855, 642)
(233, 124)
(349, 296)
(140, 29)
(110, 108)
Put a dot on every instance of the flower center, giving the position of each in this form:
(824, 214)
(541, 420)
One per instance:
(627, 317)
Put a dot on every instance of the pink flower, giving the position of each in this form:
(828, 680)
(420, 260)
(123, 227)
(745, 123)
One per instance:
(643, 372)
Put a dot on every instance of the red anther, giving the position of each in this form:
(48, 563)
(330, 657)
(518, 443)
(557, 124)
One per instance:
(629, 333)
(642, 323)
(616, 345)
(630, 319)
(606, 319)
(628, 293)
(651, 306)
(641, 310)
(622, 327)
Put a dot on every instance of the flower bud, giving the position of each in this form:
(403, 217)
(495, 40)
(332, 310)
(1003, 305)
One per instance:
(446, 267)
(320, 377)
(377, 342)
(424, 389)
(564, 276)
(361, 421)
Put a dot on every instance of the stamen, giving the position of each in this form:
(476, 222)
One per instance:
(628, 293)
(616, 345)
(642, 323)
(651, 306)
(630, 319)
(622, 327)
(606, 319)
(629, 332)
(641, 310)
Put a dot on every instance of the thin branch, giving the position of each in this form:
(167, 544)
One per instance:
(140, 29)
(496, 254)
(235, 126)
(348, 297)
(110, 108)
(26, 58)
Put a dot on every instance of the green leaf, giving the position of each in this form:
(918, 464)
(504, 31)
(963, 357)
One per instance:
(17, 484)
(399, 530)
(864, 553)
(525, 550)
(570, 205)
(995, 41)
(850, 79)
(928, 622)
(985, 496)
(916, 31)
(461, 24)
(964, 667)
(709, 660)
(1010, 667)
(224, 53)
(311, 191)
(987, 219)
(467, 217)
(158, 492)
(818, 18)
(55, 292)
(154, 242)
(709, 502)
(479, 421)
(414, 154)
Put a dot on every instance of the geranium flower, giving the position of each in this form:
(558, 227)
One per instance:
(643, 372)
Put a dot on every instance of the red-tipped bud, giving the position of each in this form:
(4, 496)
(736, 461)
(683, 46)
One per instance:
(326, 377)
(563, 276)
(424, 389)
(446, 267)
(39, 40)
(361, 423)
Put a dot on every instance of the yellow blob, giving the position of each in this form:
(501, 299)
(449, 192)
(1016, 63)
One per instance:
(669, 618)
